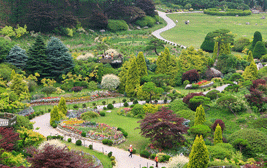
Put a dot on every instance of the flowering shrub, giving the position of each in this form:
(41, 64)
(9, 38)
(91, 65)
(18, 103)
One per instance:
(110, 82)
(32, 138)
(77, 88)
(177, 162)
(72, 121)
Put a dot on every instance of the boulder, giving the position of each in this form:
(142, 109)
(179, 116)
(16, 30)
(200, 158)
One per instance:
(102, 31)
(259, 66)
(138, 28)
(212, 73)
(189, 86)
(146, 27)
(247, 23)
(236, 15)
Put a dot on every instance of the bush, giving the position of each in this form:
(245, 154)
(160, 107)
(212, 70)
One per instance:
(187, 114)
(78, 143)
(125, 134)
(105, 141)
(213, 94)
(91, 147)
(197, 101)
(75, 106)
(83, 134)
(54, 125)
(109, 154)
(220, 122)
(152, 156)
(77, 88)
(229, 12)
(138, 111)
(87, 116)
(23, 121)
(135, 102)
(112, 158)
(110, 106)
(221, 163)
(124, 100)
(103, 114)
(131, 99)
(113, 102)
(69, 139)
(125, 104)
(117, 25)
(208, 43)
(145, 154)
(240, 43)
(113, 162)
(200, 130)
(48, 90)
(92, 85)
(187, 98)
(191, 76)
(259, 50)
(110, 142)
(178, 105)
(84, 105)
(264, 58)
(219, 152)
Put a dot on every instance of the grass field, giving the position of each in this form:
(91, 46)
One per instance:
(201, 24)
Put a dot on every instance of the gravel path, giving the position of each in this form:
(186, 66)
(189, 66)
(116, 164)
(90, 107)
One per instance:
(122, 159)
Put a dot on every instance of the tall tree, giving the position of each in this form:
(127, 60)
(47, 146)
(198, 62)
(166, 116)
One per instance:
(218, 135)
(62, 106)
(257, 37)
(163, 128)
(54, 115)
(200, 116)
(37, 59)
(259, 50)
(162, 64)
(155, 44)
(17, 57)
(133, 79)
(199, 155)
(141, 64)
(19, 86)
(152, 90)
(251, 72)
(58, 57)
(123, 75)
(250, 57)
(147, 6)
(208, 43)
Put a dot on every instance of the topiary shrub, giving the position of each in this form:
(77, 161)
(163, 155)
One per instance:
(112, 158)
(240, 43)
(110, 106)
(69, 139)
(138, 111)
(259, 50)
(220, 122)
(78, 143)
(208, 43)
(178, 105)
(199, 130)
(219, 152)
(83, 134)
(187, 98)
(117, 25)
(54, 125)
(197, 101)
(103, 114)
(124, 100)
(187, 114)
(125, 104)
(256, 139)
(110, 142)
(135, 102)
(191, 76)
(75, 106)
(145, 154)
(87, 116)
(125, 134)
(109, 154)
(90, 146)
(105, 141)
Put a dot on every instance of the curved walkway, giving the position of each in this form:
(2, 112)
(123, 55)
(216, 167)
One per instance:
(170, 25)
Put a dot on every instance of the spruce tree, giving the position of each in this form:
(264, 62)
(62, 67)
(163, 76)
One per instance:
(259, 50)
(199, 155)
(208, 43)
(62, 106)
(218, 135)
(133, 79)
(250, 57)
(141, 63)
(58, 57)
(17, 57)
(160, 64)
(54, 115)
(37, 59)
(123, 75)
(200, 116)
(257, 37)
(251, 72)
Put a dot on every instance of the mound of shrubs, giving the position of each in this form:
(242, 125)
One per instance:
(228, 12)
(107, 142)
(117, 25)
(146, 21)
(221, 151)
(213, 94)
(87, 116)
(125, 134)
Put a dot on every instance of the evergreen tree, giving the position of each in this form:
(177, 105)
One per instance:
(17, 57)
(62, 106)
(161, 64)
(141, 63)
(172, 70)
(257, 37)
(123, 75)
(13, 73)
(218, 135)
(58, 57)
(19, 86)
(37, 59)
(251, 72)
(208, 43)
(133, 79)
(199, 156)
(259, 50)
(54, 115)
(200, 116)
(224, 49)
(250, 57)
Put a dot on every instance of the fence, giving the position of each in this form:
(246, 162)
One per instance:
(7, 119)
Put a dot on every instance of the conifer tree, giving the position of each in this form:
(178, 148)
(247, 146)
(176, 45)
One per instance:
(54, 115)
(141, 63)
(251, 72)
(13, 73)
(62, 106)
(160, 64)
(257, 37)
(199, 156)
(17, 57)
(133, 79)
(58, 57)
(123, 75)
(208, 43)
(19, 86)
(37, 59)
(224, 49)
(200, 116)
(259, 50)
(218, 135)
(250, 57)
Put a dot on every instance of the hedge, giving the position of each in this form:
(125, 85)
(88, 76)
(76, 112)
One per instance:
(229, 12)
(117, 25)
(146, 21)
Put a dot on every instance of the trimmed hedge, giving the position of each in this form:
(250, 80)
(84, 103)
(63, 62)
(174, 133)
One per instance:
(117, 25)
(146, 21)
(229, 12)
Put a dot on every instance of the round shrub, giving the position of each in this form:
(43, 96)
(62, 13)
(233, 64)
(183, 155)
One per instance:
(191, 76)
(83, 134)
(125, 104)
(259, 50)
(124, 100)
(218, 152)
(90, 146)
(113, 162)
(200, 130)
(256, 139)
(84, 105)
(110, 142)
(138, 111)
(150, 21)
(75, 106)
(117, 25)
(112, 158)
(69, 139)
(135, 102)
(109, 154)
(213, 94)
(187, 114)
(240, 43)
(125, 134)
(131, 106)
(54, 125)
(131, 99)
(103, 114)
(89, 115)
(145, 154)
(110, 106)
(220, 122)
(78, 143)
(105, 141)
(152, 156)
(208, 43)
(104, 108)
(113, 102)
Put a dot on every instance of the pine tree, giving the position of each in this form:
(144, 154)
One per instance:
(19, 86)
(259, 50)
(123, 75)
(133, 79)
(160, 64)
(218, 135)
(250, 57)
(200, 116)
(17, 57)
(58, 57)
(208, 43)
(141, 63)
(54, 115)
(257, 37)
(37, 59)
(199, 156)
(62, 106)
(251, 72)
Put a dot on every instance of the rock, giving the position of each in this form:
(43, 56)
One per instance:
(102, 31)
(96, 39)
(212, 72)
(85, 56)
(247, 23)
(263, 17)
(68, 45)
(259, 66)
(146, 27)
(115, 52)
(108, 111)
(189, 86)
(91, 30)
(157, 22)
(236, 15)
(138, 28)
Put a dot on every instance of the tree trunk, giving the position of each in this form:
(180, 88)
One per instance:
(231, 110)
(156, 51)
(218, 51)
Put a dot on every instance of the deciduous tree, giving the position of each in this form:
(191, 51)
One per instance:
(227, 101)
(152, 90)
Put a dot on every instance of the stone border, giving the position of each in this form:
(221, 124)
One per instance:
(7, 119)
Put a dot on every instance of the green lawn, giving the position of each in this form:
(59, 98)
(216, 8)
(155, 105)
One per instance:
(103, 158)
(129, 125)
(201, 24)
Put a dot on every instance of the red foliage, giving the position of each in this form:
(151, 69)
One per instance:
(220, 122)
(257, 82)
(51, 157)
(256, 98)
(190, 96)
(9, 138)
(147, 6)
(163, 128)
(4, 166)
(77, 88)
(191, 76)
(98, 20)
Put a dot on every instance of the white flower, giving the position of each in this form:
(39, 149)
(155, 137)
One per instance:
(177, 162)
(54, 142)
(110, 82)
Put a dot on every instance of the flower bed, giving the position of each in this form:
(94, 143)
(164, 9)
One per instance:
(77, 113)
